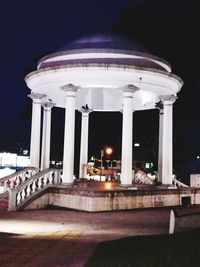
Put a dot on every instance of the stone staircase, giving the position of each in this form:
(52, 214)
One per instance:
(18, 188)
(27, 191)
(13, 181)
(4, 201)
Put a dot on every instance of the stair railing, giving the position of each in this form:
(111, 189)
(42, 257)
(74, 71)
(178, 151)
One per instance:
(178, 183)
(18, 195)
(15, 179)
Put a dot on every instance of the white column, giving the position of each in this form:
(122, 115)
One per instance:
(35, 130)
(127, 135)
(167, 140)
(84, 144)
(160, 143)
(46, 135)
(68, 153)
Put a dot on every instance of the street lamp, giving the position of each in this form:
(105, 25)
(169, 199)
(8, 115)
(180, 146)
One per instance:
(109, 152)
(102, 155)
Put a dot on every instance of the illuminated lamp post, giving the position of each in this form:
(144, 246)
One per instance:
(109, 152)
(102, 155)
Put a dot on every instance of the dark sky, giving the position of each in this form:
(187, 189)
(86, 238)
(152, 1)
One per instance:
(31, 29)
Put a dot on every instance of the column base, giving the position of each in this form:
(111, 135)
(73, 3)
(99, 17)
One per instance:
(167, 186)
(66, 184)
(127, 186)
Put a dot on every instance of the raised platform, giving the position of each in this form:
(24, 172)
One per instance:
(108, 196)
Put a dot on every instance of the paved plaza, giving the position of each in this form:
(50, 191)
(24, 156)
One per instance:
(68, 238)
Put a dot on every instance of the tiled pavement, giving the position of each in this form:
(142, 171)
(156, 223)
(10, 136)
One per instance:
(68, 238)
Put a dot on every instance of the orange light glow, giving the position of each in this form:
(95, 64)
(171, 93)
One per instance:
(108, 185)
(108, 150)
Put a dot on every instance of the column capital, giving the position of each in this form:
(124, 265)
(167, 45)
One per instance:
(36, 96)
(130, 88)
(69, 88)
(48, 104)
(168, 99)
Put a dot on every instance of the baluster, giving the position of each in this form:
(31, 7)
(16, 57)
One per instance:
(27, 175)
(28, 191)
(40, 182)
(23, 177)
(19, 197)
(23, 193)
(34, 186)
(60, 177)
(18, 181)
(51, 177)
(45, 180)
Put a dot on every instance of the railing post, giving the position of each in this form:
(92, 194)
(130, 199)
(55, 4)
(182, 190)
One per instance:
(57, 177)
(5, 186)
(172, 222)
(12, 199)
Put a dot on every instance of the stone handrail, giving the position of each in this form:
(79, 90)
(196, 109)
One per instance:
(15, 179)
(19, 195)
(178, 183)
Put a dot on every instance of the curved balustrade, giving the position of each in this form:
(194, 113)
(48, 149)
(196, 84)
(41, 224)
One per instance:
(33, 185)
(15, 179)
(178, 183)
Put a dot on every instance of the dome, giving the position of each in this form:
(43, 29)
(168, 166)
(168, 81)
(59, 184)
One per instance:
(107, 49)
(104, 41)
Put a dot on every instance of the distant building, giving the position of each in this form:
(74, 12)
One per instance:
(13, 160)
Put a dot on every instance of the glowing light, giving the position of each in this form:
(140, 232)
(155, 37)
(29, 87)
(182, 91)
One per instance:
(198, 157)
(108, 150)
(13, 160)
(108, 185)
(31, 227)
(137, 144)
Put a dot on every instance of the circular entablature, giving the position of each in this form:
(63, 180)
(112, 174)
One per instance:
(101, 66)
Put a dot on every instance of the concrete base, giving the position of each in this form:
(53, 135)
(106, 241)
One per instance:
(107, 196)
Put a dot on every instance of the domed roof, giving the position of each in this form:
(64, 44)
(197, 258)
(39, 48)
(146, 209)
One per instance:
(107, 49)
(101, 66)
(104, 41)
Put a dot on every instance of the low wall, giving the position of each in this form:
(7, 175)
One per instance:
(107, 200)
(184, 220)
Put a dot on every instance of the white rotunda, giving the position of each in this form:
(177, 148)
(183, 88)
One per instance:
(101, 73)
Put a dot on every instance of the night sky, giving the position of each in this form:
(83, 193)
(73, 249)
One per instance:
(32, 29)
